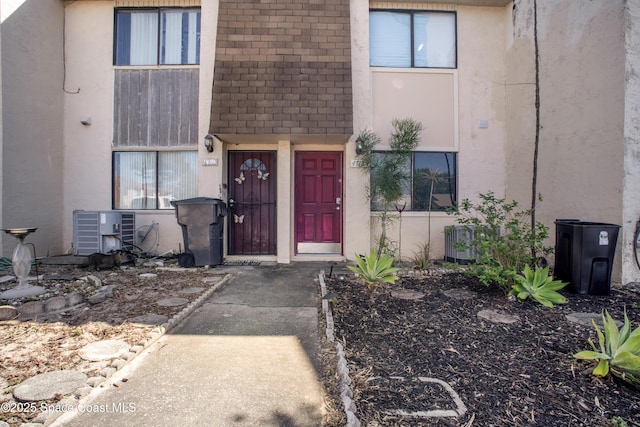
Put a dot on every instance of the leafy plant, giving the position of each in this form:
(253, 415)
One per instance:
(539, 285)
(618, 351)
(503, 241)
(374, 269)
(618, 421)
(421, 260)
(388, 171)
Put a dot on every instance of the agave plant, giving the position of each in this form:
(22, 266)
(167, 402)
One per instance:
(538, 285)
(618, 352)
(374, 270)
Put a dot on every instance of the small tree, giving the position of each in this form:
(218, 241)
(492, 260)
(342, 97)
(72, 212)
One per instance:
(502, 239)
(389, 173)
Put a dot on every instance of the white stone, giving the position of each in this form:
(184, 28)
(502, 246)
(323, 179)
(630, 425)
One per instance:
(48, 385)
(189, 291)
(103, 350)
(172, 302)
(149, 319)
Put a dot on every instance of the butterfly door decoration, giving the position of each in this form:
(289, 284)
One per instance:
(240, 179)
(263, 175)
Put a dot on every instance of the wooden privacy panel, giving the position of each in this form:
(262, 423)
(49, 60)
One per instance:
(156, 108)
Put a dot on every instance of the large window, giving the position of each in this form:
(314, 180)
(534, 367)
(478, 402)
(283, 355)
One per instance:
(412, 39)
(427, 169)
(157, 36)
(152, 179)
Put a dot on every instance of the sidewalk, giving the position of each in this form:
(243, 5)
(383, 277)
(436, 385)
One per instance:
(244, 358)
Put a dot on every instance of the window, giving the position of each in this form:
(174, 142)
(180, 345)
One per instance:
(427, 168)
(412, 39)
(157, 36)
(152, 179)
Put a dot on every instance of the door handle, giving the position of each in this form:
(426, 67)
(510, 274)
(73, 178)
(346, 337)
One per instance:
(232, 203)
(338, 202)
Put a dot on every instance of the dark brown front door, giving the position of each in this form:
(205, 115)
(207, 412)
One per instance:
(318, 202)
(252, 203)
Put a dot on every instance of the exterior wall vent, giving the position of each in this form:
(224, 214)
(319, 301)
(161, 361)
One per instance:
(454, 234)
(103, 231)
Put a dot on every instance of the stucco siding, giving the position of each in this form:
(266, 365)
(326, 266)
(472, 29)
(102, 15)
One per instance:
(463, 110)
(581, 51)
(32, 160)
(89, 33)
(631, 197)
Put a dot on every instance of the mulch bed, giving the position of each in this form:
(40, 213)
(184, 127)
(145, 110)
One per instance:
(518, 374)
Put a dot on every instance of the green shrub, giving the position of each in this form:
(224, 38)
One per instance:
(618, 422)
(374, 270)
(618, 351)
(504, 242)
(538, 285)
(421, 260)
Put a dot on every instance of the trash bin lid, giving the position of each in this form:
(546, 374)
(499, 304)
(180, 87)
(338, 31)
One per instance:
(196, 200)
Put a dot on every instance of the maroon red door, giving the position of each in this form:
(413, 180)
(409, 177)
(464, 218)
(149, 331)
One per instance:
(318, 202)
(252, 203)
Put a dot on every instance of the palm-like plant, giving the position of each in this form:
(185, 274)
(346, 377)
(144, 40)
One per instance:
(618, 352)
(538, 285)
(374, 269)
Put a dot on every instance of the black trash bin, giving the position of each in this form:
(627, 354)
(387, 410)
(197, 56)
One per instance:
(201, 219)
(584, 255)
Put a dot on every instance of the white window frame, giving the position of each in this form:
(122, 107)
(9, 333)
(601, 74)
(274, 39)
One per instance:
(439, 42)
(148, 46)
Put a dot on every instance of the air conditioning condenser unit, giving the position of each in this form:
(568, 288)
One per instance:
(456, 236)
(103, 231)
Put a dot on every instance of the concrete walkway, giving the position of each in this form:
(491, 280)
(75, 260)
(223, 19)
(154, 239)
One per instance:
(244, 358)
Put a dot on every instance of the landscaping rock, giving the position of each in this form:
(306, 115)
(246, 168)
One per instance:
(188, 291)
(95, 381)
(94, 280)
(586, 319)
(107, 372)
(460, 294)
(102, 294)
(149, 319)
(407, 294)
(496, 317)
(49, 385)
(33, 307)
(103, 350)
(8, 312)
(97, 298)
(83, 391)
(172, 302)
(55, 304)
(74, 298)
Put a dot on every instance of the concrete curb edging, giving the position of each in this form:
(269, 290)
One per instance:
(118, 363)
(346, 394)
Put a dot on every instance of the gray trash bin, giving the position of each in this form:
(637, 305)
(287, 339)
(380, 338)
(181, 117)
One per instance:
(584, 255)
(202, 222)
